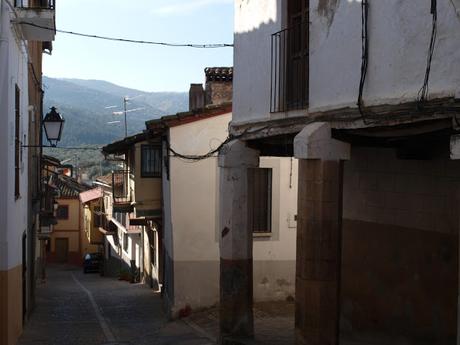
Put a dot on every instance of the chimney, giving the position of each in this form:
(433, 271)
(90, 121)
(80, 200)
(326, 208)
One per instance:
(196, 97)
(219, 85)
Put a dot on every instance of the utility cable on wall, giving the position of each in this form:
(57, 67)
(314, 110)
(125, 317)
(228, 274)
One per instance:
(126, 40)
(364, 54)
(423, 93)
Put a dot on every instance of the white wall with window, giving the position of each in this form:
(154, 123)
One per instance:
(14, 110)
(127, 244)
(274, 251)
(14, 102)
(399, 37)
(193, 223)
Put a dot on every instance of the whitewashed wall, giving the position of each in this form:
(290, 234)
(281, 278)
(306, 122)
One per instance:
(399, 36)
(255, 22)
(13, 213)
(193, 205)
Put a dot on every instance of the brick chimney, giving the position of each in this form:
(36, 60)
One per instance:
(196, 97)
(219, 85)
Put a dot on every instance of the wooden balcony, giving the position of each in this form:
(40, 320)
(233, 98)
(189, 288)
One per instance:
(120, 187)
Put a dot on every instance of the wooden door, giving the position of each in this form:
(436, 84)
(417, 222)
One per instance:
(62, 249)
(298, 55)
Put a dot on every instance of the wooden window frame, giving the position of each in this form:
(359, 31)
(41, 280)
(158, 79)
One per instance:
(156, 171)
(297, 83)
(257, 227)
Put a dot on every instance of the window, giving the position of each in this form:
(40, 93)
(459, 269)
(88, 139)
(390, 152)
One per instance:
(260, 200)
(125, 242)
(120, 217)
(290, 60)
(62, 212)
(298, 55)
(17, 141)
(150, 161)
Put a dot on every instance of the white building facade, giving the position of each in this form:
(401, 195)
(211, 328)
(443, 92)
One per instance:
(398, 36)
(365, 94)
(13, 201)
(191, 223)
(21, 48)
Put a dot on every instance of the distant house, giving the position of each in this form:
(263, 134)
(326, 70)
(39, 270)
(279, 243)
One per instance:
(93, 215)
(136, 198)
(68, 242)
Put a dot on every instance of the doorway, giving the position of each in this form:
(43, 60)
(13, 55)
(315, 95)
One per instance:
(62, 249)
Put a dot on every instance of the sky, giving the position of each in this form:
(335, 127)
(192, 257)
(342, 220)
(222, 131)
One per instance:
(143, 67)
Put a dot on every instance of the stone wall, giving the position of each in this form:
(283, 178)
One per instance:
(218, 92)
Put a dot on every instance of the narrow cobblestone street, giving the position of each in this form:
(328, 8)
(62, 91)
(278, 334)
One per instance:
(75, 308)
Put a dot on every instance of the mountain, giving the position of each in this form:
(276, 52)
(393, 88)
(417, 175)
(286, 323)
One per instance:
(88, 105)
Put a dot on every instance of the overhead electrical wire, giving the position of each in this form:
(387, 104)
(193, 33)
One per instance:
(209, 154)
(62, 147)
(212, 152)
(126, 40)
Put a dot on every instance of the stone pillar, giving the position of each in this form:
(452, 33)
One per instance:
(235, 240)
(318, 234)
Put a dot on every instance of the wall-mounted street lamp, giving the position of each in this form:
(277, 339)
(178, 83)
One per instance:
(53, 124)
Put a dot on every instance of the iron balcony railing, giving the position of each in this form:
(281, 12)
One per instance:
(120, 187)
(37, 4)
(289, 69)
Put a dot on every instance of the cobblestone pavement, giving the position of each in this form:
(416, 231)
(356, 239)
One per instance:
(85, 309)
(273, 323)
(77, 309)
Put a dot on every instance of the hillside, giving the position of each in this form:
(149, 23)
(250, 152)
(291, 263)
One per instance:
(87, 106)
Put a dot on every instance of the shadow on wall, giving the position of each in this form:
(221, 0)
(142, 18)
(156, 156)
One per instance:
(400, 247)
(114, 267)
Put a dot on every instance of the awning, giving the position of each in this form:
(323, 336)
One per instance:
(91, 194)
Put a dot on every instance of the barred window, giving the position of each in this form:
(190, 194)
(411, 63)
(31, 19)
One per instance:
(150, 161)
